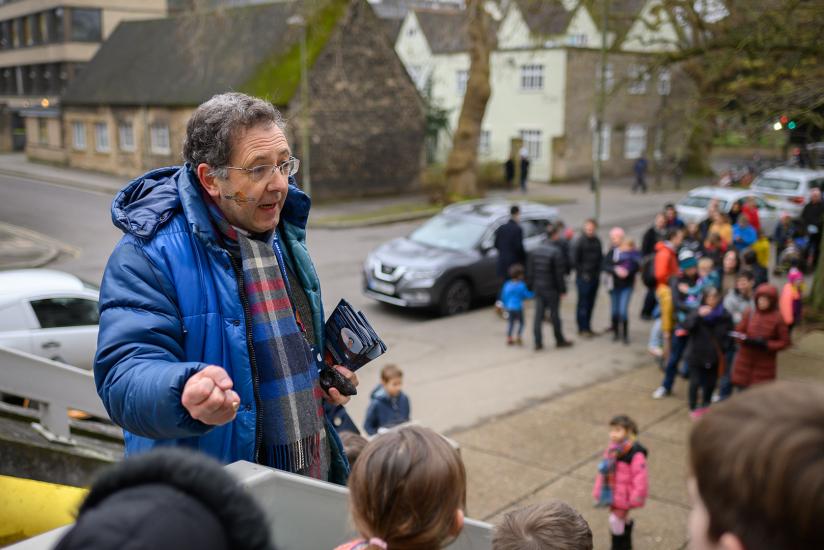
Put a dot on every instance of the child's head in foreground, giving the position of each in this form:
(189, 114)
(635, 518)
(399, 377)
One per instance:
(552, 525)
(408, 490)
(757, 471)
(516, 272)
(392, 379)
(621, 428)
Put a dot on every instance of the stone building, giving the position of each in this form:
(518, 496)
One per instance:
(127, 111)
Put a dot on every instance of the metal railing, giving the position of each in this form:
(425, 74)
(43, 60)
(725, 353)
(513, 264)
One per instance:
(302, 513)
(55, 386)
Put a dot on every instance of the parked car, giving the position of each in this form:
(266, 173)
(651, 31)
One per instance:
(49, 313)
(790, 185)
(450, 261)
(693, 207)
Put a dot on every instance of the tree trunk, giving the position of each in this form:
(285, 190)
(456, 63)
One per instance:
(817, 293)
(461, 165)
(699, 148)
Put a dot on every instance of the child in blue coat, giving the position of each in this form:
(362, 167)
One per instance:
(513, 295)
(389, 406)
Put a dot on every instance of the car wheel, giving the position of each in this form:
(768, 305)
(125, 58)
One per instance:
(457, 298)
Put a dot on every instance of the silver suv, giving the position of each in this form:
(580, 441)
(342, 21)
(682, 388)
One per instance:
(449, 262)
(788, 186)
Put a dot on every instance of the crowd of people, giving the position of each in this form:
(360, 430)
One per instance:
(210, 329)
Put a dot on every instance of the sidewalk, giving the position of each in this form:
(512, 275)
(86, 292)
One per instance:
(551, 450)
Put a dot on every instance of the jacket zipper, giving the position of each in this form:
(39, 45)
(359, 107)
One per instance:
(252, 361)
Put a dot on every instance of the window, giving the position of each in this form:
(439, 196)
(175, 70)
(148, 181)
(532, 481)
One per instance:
(101, 137)
(42, 131)
(65, 312)
(664, 82)
(159, 139)
(533, 228)
(532, 77)
(56, 22)
(28, 35)
(606, 136)
(79, 135)
(461, 78)
(532, 142)
(635, 141)
(638, 77)
(125, 133)
(576, 40)
(43, 28)
(485, 143)
(85, 25)
(609, 76)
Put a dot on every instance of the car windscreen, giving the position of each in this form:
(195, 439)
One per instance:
(701, 201)
(776, 184)
(451, 232)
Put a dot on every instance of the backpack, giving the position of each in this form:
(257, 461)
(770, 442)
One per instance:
(648, 270)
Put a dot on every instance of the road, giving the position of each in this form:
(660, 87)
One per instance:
(458, 370)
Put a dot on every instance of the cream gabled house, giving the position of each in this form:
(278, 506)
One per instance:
(544, 77)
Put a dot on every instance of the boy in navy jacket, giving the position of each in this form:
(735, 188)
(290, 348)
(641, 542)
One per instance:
(389, 406)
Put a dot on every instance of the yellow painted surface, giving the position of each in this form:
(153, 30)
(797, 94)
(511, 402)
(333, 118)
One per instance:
(28, 508)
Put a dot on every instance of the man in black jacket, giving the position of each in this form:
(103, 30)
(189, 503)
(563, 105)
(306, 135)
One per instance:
(812, 217)
(545, 277)
(587, 256)
(509, 240)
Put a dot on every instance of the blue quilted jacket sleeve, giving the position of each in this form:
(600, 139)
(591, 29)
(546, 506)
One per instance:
(139, 368)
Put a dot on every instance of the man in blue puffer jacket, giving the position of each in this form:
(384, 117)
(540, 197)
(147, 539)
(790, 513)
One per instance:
(210, 308)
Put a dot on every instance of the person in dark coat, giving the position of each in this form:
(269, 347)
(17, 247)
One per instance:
(168, 499)
(708, 328)
(509, 172)
(509, 241)
(749, 260)
(812, 218)
(763, 334)
(640, 169)
(545, 277)
(587, 255)
(524, 154)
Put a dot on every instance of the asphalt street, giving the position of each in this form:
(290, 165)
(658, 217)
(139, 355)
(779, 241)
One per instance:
(458, 370)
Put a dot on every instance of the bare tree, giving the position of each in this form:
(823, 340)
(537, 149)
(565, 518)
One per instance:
(461, 165)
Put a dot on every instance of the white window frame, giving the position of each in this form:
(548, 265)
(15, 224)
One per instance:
(576, 40)
(79, 135)
(606, 136)
(609, 76)
(638, 78)
(635, 141)
(664, 82)
(461, 79)
(485, 143)
(125, 136)
(532, 139)
(160, 139)
(101, 137)
(532, 77)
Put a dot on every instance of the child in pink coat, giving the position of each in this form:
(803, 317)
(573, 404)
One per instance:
(790, 301)
(622, 482)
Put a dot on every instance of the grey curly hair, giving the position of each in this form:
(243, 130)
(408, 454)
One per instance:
(215, 124)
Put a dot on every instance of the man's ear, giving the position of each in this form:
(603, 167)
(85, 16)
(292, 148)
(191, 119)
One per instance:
(459, 523)
(728, 541)
(207, 180)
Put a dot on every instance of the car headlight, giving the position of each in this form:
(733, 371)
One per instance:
(369, 264)
(419, 275)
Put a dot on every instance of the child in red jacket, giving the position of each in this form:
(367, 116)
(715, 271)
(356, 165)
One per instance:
(622, 482)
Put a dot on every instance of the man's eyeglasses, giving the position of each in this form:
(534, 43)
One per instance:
(259, 173)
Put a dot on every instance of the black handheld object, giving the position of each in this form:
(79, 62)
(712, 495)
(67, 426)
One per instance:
(331, 377)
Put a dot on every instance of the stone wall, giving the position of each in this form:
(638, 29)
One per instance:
(367, 118)
(665, 115)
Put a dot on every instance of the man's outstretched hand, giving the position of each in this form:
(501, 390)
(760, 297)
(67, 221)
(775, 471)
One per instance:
(209, 397)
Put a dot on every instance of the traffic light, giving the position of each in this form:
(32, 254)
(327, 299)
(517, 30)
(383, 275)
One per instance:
(792, 125)
(783, 119)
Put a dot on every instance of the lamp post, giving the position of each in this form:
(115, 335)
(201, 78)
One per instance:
(297, 20)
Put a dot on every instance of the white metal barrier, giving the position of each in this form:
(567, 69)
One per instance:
(302, 513)
(56, 387)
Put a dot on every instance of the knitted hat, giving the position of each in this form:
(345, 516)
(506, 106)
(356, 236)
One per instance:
(686, 259)
(795, 275)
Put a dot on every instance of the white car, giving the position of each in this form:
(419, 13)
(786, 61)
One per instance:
(789, 185)
(693, 207)
(49, 313)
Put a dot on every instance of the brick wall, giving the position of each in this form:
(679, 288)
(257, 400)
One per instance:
(573, 153)
(368, 120)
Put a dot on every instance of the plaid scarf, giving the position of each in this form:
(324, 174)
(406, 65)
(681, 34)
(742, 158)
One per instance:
(294, 436)
(607, 469)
